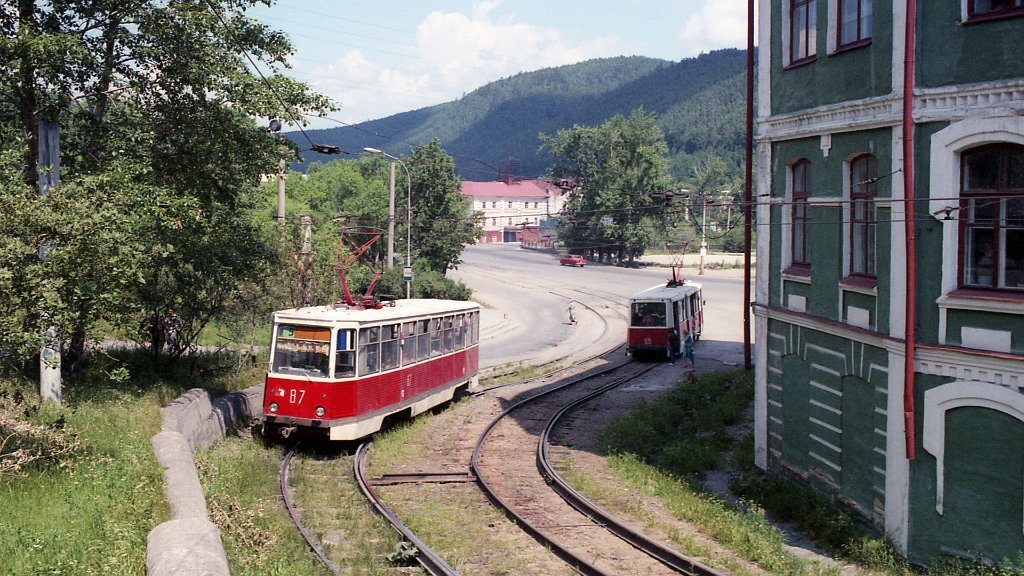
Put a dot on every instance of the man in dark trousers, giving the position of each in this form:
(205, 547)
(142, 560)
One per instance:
(673, 346)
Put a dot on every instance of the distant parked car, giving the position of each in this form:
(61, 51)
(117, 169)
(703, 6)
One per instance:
(572, 260)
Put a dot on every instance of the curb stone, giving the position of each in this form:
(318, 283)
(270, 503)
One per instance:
(189, 544)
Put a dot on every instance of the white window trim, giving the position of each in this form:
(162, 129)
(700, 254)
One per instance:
(947, 146)
(847, 214)
(787, 218)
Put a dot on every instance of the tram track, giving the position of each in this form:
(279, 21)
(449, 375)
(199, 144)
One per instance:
(536, 424)
(523, 500)
(293, 513)
(591, 517)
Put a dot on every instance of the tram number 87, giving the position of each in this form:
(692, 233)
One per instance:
(295, 396)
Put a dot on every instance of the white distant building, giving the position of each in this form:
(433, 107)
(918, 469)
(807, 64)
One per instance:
(513, 209)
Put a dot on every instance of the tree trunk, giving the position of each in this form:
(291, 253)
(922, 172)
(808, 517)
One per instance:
(27, 95)
(98, 107)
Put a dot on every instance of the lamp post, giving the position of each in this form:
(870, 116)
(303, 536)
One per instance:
(391, 218)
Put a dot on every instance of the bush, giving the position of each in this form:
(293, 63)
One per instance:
(426, 284)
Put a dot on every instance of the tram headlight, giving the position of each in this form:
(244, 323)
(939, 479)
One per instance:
(320, 411)
(273, 407)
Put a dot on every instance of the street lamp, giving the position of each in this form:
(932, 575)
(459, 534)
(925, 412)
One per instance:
(391, 218)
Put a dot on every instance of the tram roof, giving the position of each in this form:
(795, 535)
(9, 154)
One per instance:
(402, 309)
(666, 291)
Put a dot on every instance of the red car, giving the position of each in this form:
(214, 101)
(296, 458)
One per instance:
(572, 260)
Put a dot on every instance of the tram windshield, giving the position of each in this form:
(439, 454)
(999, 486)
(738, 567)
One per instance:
(650, 314)
(302, 350)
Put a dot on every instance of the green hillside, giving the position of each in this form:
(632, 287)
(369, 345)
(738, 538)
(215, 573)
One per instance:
(698, 103)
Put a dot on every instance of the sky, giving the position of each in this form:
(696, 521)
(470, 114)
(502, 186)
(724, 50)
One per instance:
(383, 57)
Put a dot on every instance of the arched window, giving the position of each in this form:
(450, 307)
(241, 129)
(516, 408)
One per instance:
(992, 218)
(863, 218)
(801, 194)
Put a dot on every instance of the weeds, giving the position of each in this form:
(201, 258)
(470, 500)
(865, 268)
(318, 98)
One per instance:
(26, 445)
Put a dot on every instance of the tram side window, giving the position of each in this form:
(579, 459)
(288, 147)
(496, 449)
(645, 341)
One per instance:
(472, 326)
(389, 347)
(369, 350)
(648, 314)
(435, 337)
(460, 324)
(423, 339)
(448, 339)
(408, 343)
(302, 350)
(345, 355)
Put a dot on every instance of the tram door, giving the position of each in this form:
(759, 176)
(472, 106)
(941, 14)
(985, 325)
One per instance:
(677, 314)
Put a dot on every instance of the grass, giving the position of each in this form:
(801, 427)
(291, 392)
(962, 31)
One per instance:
(87, 511)
(662, 449)
(456, 520)
(683, 432)
(239, 476)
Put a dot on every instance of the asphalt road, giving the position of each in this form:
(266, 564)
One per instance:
(527, 292)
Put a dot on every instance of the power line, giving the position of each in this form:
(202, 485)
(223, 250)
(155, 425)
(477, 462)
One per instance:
(322, 148)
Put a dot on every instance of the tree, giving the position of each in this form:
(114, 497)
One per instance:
(618, 166)
(161, 157)
(442, 222)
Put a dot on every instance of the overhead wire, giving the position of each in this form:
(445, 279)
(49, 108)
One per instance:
(273, 90)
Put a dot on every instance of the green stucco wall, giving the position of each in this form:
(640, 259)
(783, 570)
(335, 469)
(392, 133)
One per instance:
(826, 416)
(825, 233)
(956, 320)
(928, 241)
(950, 52)
(984, 486)
(853, 74)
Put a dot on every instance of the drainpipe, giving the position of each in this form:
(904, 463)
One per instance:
(908, 202)
(747, 194)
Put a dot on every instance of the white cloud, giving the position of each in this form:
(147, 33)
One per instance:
(716, 25)
(457, 53)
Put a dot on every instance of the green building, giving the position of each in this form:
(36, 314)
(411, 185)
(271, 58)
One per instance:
(935, 459)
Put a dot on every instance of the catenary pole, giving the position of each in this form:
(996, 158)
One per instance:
(748, 196)
(49, 177)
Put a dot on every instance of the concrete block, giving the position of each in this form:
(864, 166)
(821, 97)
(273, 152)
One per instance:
(184, 492)
(187, 547)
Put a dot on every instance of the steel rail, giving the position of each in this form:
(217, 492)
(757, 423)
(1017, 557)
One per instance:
(313, 545)
(574, 560)
(674, 560)
(427, 558)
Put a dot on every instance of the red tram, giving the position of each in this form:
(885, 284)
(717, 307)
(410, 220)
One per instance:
(339, 371)
(654, 312)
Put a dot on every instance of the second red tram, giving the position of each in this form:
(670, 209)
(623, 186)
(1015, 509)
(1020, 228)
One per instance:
(654, 312)
(339, 371)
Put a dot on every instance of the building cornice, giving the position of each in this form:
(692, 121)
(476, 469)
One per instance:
(832, 327)
(950, 103)
(947, 103)
(852, 115)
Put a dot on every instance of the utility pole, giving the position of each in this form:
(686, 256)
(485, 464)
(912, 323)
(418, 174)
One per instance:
(703, 231)
(49, 177)
(391, 219)
(280, 191)
(275, 127)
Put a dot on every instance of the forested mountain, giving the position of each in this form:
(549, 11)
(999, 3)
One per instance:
(698, 103)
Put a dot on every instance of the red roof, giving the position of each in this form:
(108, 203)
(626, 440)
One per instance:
(520, 189)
